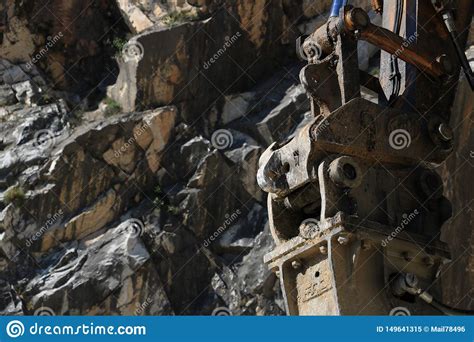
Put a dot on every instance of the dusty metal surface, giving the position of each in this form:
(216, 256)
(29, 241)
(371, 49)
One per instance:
(353, 202)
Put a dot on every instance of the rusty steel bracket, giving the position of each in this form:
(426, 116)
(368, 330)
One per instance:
(343, 270)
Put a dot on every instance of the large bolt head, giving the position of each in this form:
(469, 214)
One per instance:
(343, 240)
(446, 133)
(446, 64)
(296, 264)
(411, 280)
(357, 19)
(345, 172)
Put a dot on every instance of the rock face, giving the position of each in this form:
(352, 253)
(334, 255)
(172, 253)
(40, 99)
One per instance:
(83, 176)
(195, 63)
(146, 204)
(152, 211)
(100, 278)
(71, 41)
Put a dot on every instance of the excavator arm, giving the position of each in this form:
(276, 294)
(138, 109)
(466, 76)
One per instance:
(355, 206)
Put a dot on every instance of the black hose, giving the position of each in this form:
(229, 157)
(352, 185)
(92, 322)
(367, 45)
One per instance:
(450, 311)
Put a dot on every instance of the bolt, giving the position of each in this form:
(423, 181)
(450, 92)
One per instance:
(445, 132)
(359, 18)
(323, 249)
(428, 261)
(446, 64)
(344, 172)
(407, 256)
(343, 240)
(411, 280)
(296, 264)
(349, 171)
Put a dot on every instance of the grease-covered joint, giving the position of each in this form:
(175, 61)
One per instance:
(345, 172)
(441, 134)
(324, 37)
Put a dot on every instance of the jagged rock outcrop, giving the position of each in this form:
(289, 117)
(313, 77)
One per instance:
(112, 274)
(83, 184)
(195, 63)
(83, 179)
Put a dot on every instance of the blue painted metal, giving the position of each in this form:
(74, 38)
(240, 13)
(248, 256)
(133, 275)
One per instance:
(336, 6)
